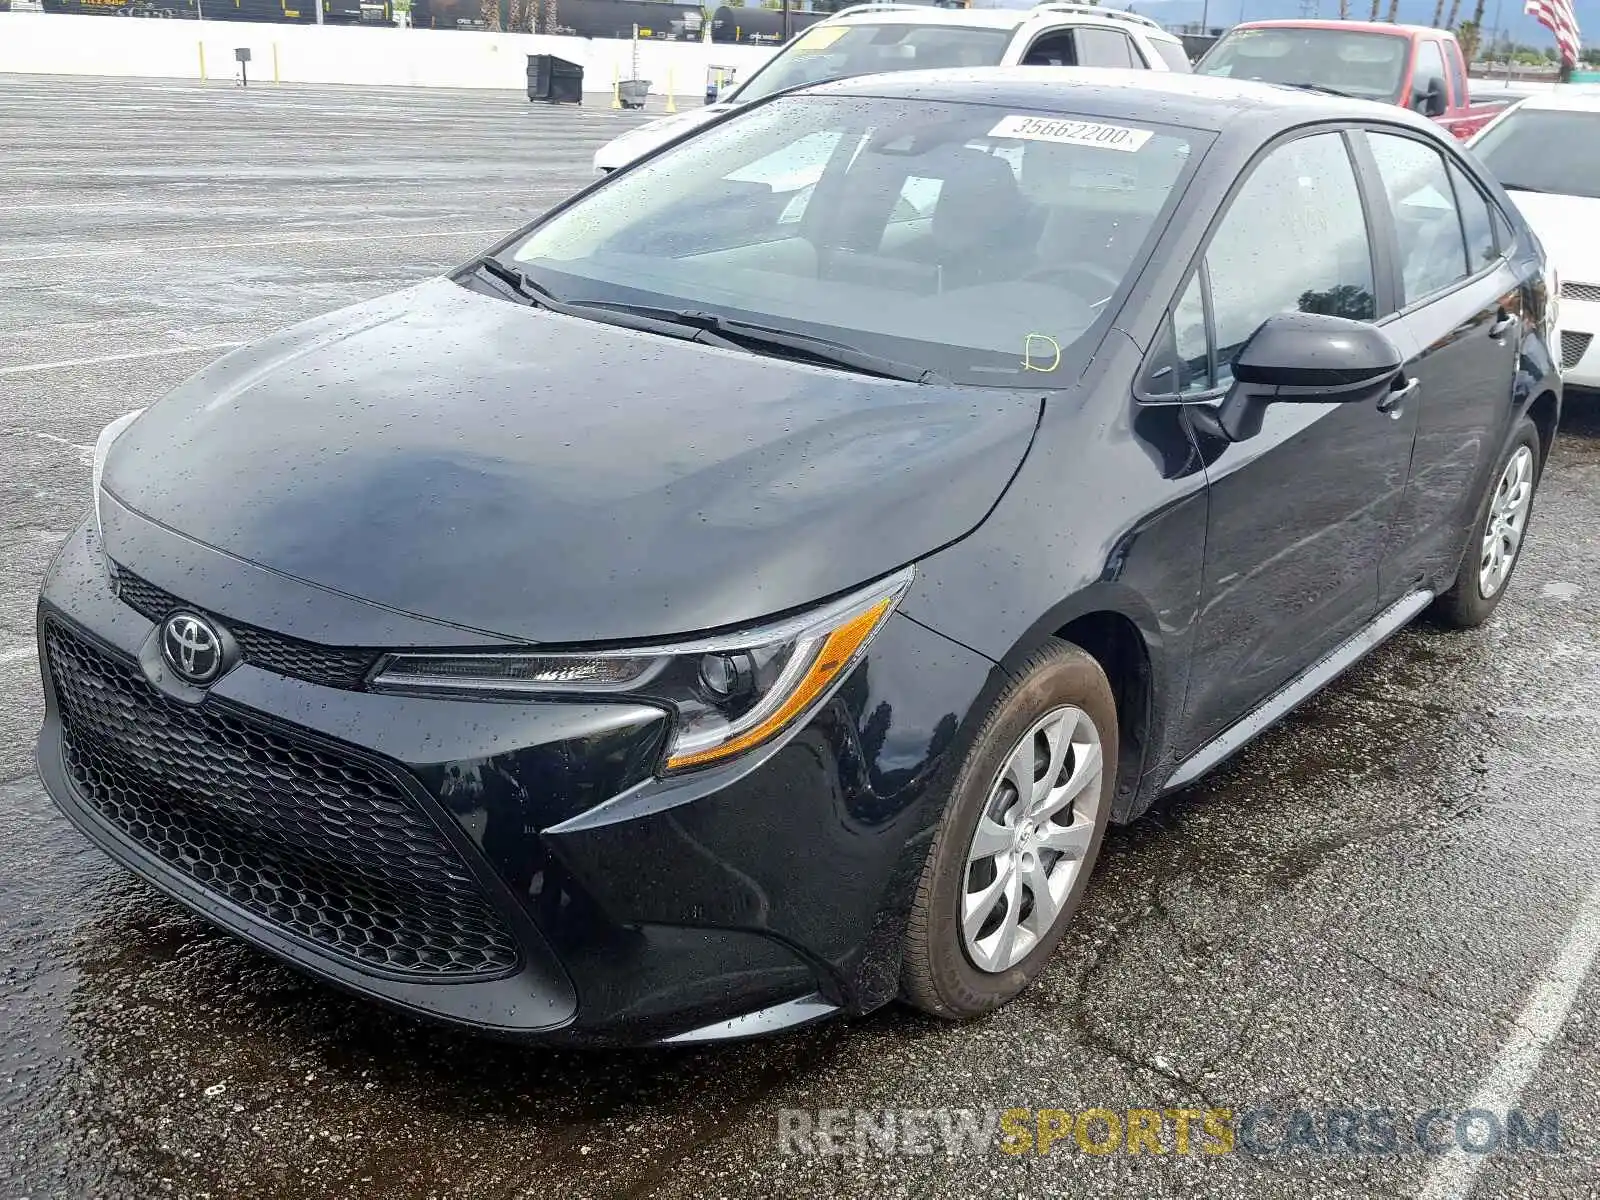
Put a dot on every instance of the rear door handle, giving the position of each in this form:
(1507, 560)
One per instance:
(1396, 396)
(1502, 325)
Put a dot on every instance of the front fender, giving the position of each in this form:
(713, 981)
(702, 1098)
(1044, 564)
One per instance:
(1105, 520)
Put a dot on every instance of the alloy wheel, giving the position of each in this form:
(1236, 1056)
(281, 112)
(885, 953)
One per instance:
(1508, 517)
(1035, 828)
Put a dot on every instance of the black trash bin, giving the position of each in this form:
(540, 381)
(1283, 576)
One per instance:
(554, 79)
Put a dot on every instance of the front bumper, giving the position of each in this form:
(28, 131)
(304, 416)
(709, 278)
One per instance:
(767, 892)
(1580, 341)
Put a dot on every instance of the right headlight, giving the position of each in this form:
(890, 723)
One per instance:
(728, 694)
(102, 447)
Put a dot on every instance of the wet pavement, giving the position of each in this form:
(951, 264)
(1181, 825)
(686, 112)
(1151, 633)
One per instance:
(1390, 902)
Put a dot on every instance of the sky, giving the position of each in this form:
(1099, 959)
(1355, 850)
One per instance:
(1502, 14)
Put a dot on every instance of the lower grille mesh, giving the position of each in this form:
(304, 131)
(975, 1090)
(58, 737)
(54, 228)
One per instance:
(1573, 347)
(303, 837)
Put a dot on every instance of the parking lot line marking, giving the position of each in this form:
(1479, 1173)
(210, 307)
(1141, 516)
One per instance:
(137, 248)
(85, 453)
(1537, 1026)
(163, 352)
(73, 254)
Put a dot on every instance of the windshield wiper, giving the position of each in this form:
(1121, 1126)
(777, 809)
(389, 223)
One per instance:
(715, 329)
(708, 328)
(1325, 90)
(512, 278)
(643, 320)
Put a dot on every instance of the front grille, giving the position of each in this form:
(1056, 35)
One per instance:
(144, 597)
(331, 666)
(1581, 291)
(1573, 347)
(303, 837)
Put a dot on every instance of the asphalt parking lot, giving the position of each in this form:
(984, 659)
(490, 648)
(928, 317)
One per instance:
(1392, 902)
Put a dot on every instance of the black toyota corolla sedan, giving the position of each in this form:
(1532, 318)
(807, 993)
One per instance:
(748, 592)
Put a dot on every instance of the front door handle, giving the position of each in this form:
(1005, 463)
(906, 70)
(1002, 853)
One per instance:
(1394, 399)
(1502, 325)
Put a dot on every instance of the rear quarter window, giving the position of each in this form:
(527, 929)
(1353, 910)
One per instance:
(1173, 55)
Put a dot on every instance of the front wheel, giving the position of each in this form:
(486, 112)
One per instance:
(1495, 543)
(1019, 838)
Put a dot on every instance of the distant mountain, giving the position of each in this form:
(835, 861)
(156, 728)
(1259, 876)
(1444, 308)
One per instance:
(1503, 15)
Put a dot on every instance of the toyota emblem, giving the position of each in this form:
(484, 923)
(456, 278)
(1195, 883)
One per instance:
(192, 647)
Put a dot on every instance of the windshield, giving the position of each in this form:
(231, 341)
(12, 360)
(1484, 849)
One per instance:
(835, 51)
(981, 244)
(1369, 65)
(1517, 151)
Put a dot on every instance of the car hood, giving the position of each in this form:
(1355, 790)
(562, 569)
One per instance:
(554, 480)
(1565, 225)
(636, 143)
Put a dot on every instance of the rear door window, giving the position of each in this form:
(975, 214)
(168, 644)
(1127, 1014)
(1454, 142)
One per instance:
(1055, 48)
(1433, 252)
(1098, 47)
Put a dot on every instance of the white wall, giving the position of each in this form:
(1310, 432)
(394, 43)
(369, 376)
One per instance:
(56, 44)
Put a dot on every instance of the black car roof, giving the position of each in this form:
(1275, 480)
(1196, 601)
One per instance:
(1165, 97)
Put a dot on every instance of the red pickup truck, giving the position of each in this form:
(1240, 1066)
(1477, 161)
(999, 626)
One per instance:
(1415, 66)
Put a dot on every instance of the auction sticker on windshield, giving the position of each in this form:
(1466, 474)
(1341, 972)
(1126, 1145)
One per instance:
(1074, 133)
(819, 39)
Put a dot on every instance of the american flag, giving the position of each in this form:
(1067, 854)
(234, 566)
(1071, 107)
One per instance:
(1557, 16)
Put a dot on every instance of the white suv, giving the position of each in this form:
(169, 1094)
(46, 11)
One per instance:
(869, 38)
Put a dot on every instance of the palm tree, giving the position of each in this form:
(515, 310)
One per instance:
(1455, 11)
(1344, 10)
(1394, 12)
(1470, 34)
(1438, 13)
(491, 15)
(1373, 16)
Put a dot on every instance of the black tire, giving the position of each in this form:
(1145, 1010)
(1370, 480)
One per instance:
(1465, 606)
(937, 974)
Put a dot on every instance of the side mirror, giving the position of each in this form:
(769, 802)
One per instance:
(1310, 356)
(1433, 102)
(1305, 358)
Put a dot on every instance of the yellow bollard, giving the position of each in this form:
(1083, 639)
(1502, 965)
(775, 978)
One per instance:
(616, 86)
(672, 103)
(202, 47)
(275, 62)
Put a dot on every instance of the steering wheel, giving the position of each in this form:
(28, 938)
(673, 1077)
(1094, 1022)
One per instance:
(1106, 282)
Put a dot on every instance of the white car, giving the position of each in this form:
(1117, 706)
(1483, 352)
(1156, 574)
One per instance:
(871, 38)
(1545, 151)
